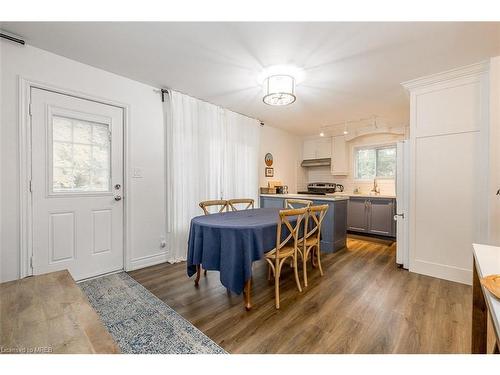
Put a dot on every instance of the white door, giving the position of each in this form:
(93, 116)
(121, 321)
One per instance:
(402, 204)
(77, 185)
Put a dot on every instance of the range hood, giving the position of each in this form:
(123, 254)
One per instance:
(316, 162)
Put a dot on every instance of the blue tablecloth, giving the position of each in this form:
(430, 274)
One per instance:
(230, 242)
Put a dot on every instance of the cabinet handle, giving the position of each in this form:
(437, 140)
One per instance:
(396, 216)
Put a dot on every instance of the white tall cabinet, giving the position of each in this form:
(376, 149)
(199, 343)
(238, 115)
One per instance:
(448, 170)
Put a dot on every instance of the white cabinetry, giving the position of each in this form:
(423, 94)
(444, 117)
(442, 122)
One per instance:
(317, 148)
(340, 156)
(449, 150)
(309, 149)
(324, 148)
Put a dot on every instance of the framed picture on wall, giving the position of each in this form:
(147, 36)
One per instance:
(269, 172)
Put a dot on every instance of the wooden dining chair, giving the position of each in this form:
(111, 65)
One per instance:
(287, 248)
(223, 206)
(246, 201)
(310, 242)
(221, 203)
(297, 203)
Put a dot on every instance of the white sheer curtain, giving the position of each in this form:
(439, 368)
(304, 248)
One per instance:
(240, 163)
(212, 153)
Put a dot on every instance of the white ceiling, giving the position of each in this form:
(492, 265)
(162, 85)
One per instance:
(350, 70)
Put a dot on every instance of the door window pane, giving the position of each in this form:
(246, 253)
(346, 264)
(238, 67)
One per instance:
(80, 155)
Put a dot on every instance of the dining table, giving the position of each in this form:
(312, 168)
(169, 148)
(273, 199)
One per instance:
(229, 242)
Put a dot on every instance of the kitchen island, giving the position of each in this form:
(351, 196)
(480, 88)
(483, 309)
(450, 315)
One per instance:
(334, 227)
(484, 304)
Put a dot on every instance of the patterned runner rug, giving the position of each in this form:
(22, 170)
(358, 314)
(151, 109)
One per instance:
(141, 323)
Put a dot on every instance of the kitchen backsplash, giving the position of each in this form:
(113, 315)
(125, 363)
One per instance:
(322, 174)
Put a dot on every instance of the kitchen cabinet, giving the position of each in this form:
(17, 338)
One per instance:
(309, 149)
(334, 226)
(340, 156)
(372, 215)
(324, 148)
(382, 217)
(317, 148)
(357, 216)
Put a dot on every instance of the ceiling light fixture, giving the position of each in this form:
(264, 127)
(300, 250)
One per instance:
(279, 90)
(321, 134)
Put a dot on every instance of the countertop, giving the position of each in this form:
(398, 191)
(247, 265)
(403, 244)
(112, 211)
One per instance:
(366, 195)
(330, 197)
(488, 263)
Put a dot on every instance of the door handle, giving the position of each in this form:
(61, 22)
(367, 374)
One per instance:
(396, 216)
(118, 198)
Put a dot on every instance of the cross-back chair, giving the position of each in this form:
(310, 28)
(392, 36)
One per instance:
(223, 206)
(285, 248)
(245, 201)
(297, 203)
(310, 242)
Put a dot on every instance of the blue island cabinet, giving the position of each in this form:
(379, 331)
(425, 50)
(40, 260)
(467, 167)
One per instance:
(334, 227)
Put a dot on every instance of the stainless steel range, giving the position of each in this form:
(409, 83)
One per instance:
(320, 188)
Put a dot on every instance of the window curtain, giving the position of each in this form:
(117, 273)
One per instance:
(240, 170)
(211, 153)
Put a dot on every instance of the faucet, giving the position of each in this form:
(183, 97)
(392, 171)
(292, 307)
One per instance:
(375, 189)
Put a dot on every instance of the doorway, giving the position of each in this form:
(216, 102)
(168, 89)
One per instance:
(76, 185)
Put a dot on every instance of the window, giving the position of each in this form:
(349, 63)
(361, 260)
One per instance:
(375, 162)
(80, 155)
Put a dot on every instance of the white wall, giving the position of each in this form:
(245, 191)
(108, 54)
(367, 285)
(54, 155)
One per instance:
(286, 149)
(146, 197)
(323, 174)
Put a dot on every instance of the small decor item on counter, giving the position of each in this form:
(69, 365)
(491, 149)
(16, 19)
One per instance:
(269, 159)
(339, 188)
(492, 283)
(282, 189)
(268, 190)
(269, 172)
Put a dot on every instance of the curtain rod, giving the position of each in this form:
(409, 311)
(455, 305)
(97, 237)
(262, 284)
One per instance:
(166, 91)
(12, 39)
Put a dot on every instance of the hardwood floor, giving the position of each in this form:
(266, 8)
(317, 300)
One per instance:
(363, 304)
(50, 314)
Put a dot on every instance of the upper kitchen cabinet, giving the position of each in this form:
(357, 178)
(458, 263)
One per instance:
(340, 156)
(317, 148)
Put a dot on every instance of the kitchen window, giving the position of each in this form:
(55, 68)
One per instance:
(375, 162)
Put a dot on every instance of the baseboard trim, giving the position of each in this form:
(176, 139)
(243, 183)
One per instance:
(146, 261)
(442, 271)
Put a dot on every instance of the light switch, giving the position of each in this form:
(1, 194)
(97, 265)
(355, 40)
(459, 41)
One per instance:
(137, 173)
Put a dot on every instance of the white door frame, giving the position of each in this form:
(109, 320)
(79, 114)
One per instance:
(25, 198)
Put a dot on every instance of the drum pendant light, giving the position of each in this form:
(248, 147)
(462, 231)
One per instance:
(279, 90)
